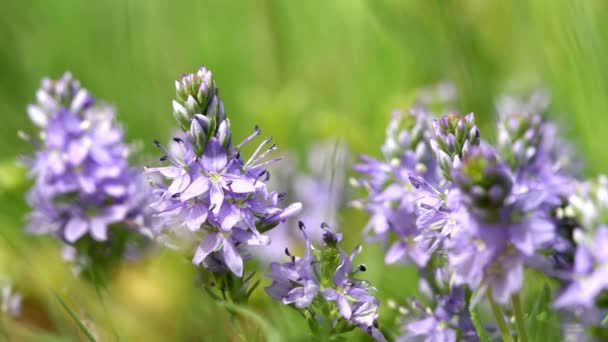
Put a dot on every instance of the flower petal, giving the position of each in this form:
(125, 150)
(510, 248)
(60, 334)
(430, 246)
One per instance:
(233, 259)
(216, 196)
(198, 187)
(99, 229)
(208, 245)
(75, 229)
(214, 158)
(238, 183)
(197, 215)
(344, 307)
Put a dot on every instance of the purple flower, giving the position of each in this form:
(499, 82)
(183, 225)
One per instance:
(392, 199)
(499, 227)
(207, 187)
(83, 181)
(590, 273)
(295, 281)
(326, 274)
(448, 321)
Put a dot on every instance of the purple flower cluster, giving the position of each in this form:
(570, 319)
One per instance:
(208, 188)
(324, 277)
(83, 181)
(480, 213)
(449, 321)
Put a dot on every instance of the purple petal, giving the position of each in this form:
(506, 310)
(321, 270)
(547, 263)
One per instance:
(239, 183)
(179, 184)
(197, 215)
(250, 239)
(198, 187)
(209, 244)
(233, 259)
(77, 151)
(99, 229)
(216, 196)
(344, 307)
(75, 229)
(395, 253)
(229, 215)
(330, 294)
(167, 171)
(214, 158)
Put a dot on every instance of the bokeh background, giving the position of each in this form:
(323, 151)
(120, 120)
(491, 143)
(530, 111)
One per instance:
(304, 71)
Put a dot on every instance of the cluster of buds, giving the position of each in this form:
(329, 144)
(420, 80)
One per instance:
(199, 110)
(485, 181)
(454, 137)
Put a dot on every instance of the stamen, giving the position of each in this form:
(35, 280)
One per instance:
(267, 152)
(257, 150)
(256, 132)
(268, 162)
(168, 154)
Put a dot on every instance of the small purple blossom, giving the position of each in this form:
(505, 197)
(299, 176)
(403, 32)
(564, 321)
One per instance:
(83, 181)
(208, 187)
(590, 273)
(498, 227)
(326, 274)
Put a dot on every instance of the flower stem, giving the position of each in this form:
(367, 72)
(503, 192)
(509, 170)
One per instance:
(500, 318)
(519, 318)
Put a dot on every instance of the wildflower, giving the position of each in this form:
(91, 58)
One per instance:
(326, 275)
(590, 273)
(391, 199)
(449, 321)
(498, 227)
(83, 181)
(207, 186)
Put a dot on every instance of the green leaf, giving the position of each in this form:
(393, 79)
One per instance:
(481, 331)
(272, 335)
(542, 322)
(80, 324)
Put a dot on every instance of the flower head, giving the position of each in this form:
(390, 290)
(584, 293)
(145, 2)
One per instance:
(83, 181)
(327, 275)
(208, 187)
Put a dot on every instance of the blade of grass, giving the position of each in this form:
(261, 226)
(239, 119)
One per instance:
(80, 324)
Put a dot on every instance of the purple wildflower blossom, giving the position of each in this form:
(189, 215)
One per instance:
(208, 188)
(498, 227)
(590, 273)
(83, 182)
(316, 277)
(391, 199)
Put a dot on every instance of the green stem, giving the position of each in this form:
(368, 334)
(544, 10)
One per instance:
(519, 318)
(500, 318)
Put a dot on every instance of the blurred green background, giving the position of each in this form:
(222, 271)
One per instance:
(302, 70)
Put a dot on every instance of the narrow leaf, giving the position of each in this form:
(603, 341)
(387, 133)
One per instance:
(80, 324)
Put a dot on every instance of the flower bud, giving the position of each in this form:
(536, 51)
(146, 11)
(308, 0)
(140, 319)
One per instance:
(455, 137)
(198, 137)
